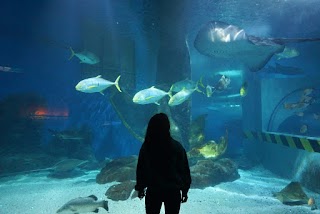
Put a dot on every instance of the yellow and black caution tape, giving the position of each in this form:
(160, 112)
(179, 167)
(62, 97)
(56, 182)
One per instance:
(294, 141)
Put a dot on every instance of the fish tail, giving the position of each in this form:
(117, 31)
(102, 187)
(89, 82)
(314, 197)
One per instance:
(200, 82)
(72, 53)
(117, 83)
(105, 205)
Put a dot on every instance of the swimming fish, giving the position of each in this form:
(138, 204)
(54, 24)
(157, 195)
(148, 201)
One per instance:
(187, 84)
(226, 41)
(287, 53)
(10, 69)
(303, 129)
(223, 83)
(96, 84)
(149, 95)
(209, 91)
(85, 57)
(244, 89)
(63, 135)
(181, 96)
(83, 205)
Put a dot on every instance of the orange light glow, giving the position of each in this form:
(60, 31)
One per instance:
(47, 113)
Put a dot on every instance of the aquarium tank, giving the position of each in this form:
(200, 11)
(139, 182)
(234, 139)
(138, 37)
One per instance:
(238, 79)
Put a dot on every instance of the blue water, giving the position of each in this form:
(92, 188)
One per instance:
(131, 37)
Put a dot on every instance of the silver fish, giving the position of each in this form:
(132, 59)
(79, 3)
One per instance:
(83, 205)
(96, 84)
(149, 95)
(85, 57)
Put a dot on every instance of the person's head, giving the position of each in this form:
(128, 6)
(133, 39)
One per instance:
(158, 129)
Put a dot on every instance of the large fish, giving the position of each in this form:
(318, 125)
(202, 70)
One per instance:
(85, 57)
(181, 96)
(96, 84)
(222, 40)
(83, 205)
(149, 95)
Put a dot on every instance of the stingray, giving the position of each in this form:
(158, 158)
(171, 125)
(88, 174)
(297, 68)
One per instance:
(222, 40)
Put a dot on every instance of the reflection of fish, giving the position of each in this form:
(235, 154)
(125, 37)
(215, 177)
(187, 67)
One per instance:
(287, 53)
(244, 89)
(83, 205)
(149, 95)
(65, 135)
(222, 40)
(303, 129)
(85, 57)
(96, 84)
(180, 97)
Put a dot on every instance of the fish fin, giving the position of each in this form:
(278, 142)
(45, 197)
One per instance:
(93, 197)
(200, 82)
(117, 83)
(105, 205)
(170, 93)
(96, 210)
(101, 93)
(157, 103)
(98, 76)
(72, 53)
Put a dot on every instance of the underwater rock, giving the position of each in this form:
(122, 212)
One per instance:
(212, 172)
(292, 194)
(123, 169)
(120, 192)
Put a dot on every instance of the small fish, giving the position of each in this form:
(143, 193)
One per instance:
(96, 84)
(316, 116)
(181, 96)
(303, 129)
(306, 99)
(65, 135)
(10, 69)
(83, 205)
(223, 83)
(288, 53)
(149, 95)
(85, 57)
(300, 114)
(311, 201)
(244, 89)
(312, 204)
(307, 91)
(209, 91)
